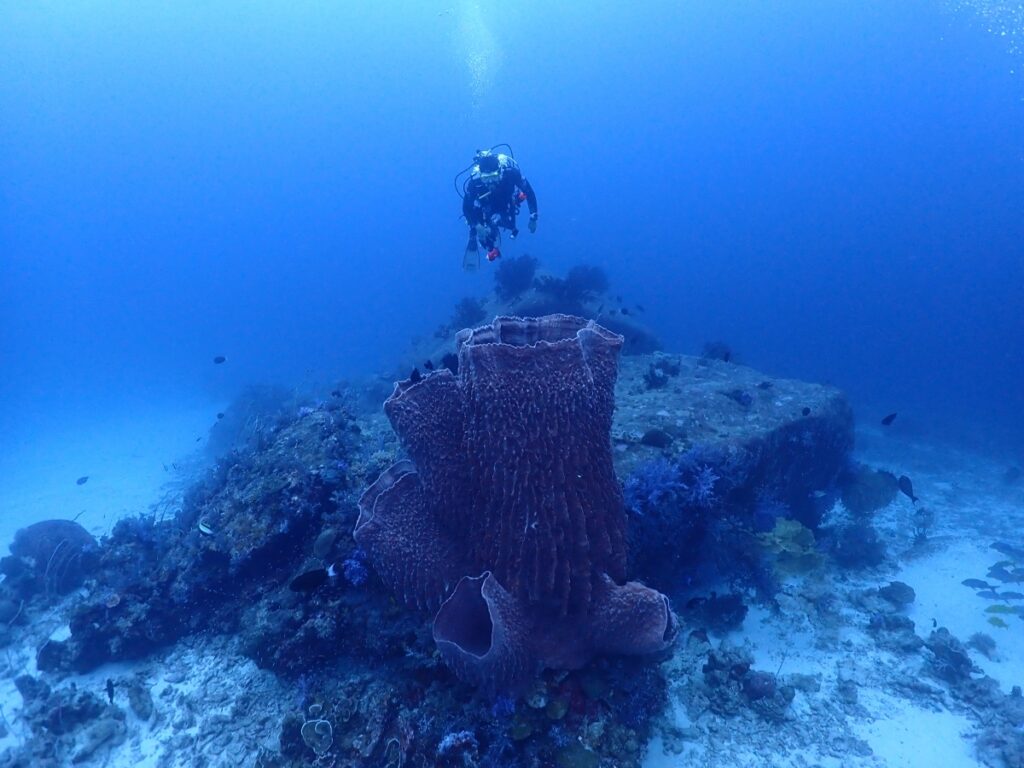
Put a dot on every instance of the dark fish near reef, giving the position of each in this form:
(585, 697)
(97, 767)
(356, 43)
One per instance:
(976, 584)
(907, 487)
(805, 411)
(428, 365)
(220, 415)
(311, 581)
(625, 310)
(1010, 550)
(1000, 572)
(110, 690)
(415, 376)
(219, 359)
(82, 480)
(324, 542)
(888, 419)
(335, 393)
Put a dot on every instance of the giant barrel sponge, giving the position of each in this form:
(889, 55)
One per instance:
(507, 518)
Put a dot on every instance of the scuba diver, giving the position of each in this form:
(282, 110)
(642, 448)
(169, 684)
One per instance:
(491, 197)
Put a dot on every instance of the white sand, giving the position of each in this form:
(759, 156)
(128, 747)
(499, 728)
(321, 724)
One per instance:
(973, 508)
(906, 736)
(128, 457)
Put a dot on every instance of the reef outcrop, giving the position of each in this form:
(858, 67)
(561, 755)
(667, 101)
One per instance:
(508, 517)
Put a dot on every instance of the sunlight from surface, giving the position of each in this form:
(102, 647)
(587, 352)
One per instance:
(479, 46)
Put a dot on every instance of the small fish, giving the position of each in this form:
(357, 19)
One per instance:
(312, 580)
(765, 385)
(907, 487)
(199, 438)
(110, 690)
(335, 393)
(640, 308)
(415, 376)
(205, 528)
(976, 584)
(625, 310)
(1004, 609)
(1010, 550)
(805, 411)
(817, 494)
(220, 416)
(219, 359)
(1011, 595)
(999, 572)
(428, 365)
(82, 480)
(618, 299)
(995, 621)
(989, 594)
(324, 542)
(888, 419)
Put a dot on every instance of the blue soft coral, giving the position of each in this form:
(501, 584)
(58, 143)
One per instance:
(700, 490)
(652, 484)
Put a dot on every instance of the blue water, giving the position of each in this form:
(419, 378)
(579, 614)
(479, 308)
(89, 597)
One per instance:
(835, 189)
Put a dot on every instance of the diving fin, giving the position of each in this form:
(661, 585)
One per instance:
(471, 260)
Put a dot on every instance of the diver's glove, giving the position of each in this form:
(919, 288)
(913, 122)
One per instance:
(533, 223)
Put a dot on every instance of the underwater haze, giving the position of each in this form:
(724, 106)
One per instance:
(834, 189)
(782, 527)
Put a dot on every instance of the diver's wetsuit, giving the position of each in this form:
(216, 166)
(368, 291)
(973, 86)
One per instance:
(496, 206)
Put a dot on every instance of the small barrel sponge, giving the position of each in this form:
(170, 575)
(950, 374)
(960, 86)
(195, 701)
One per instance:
(483, 634)
(508, 514)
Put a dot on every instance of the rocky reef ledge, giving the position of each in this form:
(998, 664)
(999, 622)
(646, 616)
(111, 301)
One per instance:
(720, 474)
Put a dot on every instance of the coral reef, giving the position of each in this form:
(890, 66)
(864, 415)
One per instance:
(246, 525)
(68, 726)
(725, 479)
(513, 277)
(866, 490)
(468, 312)
(51, 557)
(509, 515)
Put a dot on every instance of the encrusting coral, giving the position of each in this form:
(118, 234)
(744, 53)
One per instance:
(508, 516)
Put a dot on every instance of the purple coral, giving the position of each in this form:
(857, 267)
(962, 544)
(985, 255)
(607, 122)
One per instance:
(508, 515)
